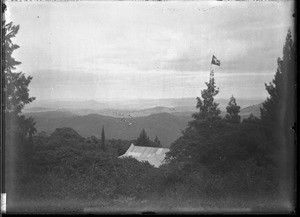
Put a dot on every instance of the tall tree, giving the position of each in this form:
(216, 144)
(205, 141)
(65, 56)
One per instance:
(271, 109)
(103, 146)
(233, 111)
(15, 92)
(143, 139)
(200, 131)
(28, 123)
(208, 107)
(282, 88)
(208, 115)
(14, 96)
(278, 112)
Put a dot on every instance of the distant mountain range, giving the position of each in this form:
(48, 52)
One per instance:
(136, 108)
(164, 122)
(166, 126)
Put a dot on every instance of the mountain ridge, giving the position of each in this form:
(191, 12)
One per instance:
(166, 126)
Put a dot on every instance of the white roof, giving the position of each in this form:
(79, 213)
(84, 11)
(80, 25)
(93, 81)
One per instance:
(153, 155)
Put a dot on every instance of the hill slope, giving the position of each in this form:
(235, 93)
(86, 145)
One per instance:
(254, 109)
(166, 126)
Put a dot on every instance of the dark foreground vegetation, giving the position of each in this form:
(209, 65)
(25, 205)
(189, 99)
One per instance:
(218, 164)
(65, 173)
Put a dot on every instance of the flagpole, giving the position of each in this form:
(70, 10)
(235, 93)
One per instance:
(210, 68)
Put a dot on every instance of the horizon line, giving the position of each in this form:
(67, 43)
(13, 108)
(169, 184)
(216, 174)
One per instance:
(130, 99)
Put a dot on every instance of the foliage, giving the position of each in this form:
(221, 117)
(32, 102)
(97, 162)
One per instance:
(205, 122)
(226, 155)
(61, 167)
(67, 133)
(232, 161)
(16, 90)
(120, 146)
(103, 147)
(208, 107)
(156, 140)
(18, 130)
(233, 111)
(143, 140)
(281, 89)
(92, 142)
(278, 115)
(230, 157)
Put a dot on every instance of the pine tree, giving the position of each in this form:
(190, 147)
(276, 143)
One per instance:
(209, 112)
(233, 111)
(143, 139)
(208, 107)
(282, 88)
(201, 130)
(29, 122)
(278, 113)
(18, 129)
(103, 146)
(273, 104)
(252, 119)
(15, 91)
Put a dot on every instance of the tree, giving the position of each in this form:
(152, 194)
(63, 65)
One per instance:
(16, 92)
(252, 119)
(143, 139)
(271, 107)
(233, 111)
(29, 122)
(156, 140)
(209, 112)
(208, 107)
(103, 146)
(278, 112)
(201, 130)
(282, 88)
(15, 95)
(234, 155)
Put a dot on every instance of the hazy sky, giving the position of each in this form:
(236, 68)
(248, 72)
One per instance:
(104, 50)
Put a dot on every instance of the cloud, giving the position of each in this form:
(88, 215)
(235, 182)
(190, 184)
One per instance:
(189, 47)
(114, 49)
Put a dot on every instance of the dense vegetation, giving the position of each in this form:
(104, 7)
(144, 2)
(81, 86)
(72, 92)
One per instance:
(144, 140)
(216, 163)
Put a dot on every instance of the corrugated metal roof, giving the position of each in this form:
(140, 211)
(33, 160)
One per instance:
(154, 156)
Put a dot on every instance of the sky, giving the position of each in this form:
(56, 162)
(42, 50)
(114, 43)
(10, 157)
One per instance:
(88, 50)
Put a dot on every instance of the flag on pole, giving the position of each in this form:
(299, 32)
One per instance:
(215, 61)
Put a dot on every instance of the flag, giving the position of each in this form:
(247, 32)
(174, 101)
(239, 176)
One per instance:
(215, 61)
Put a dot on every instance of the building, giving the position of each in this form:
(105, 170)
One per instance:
(155, 156)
